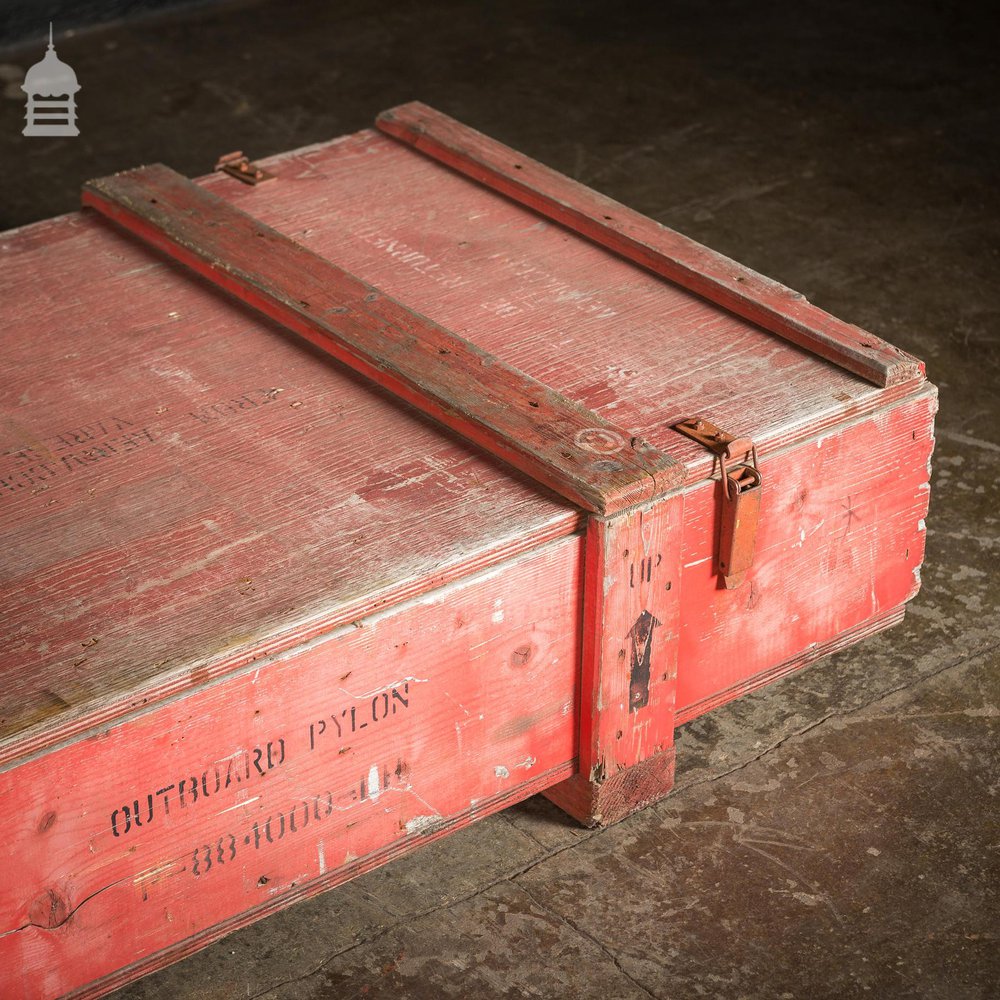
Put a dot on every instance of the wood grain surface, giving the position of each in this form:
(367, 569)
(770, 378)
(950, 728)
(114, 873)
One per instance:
(296, 773)
(222, 550)
(644, 241)
(600, 330)
(840, 542)
(148, 421)
(628, 674)
(557, 442)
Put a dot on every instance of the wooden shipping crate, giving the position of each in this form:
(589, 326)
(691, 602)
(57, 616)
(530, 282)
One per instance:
(269, 622)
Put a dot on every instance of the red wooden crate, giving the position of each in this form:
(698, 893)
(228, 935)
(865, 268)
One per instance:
(268, 625)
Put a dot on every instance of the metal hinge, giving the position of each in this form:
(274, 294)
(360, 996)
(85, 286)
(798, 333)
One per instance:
(239, 166)
(742, 486)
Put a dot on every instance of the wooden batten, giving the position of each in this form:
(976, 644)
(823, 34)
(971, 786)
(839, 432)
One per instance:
(644, 241)
(628, 675)
(564, 446)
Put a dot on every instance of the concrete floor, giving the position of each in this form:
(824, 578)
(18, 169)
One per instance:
(835, 834)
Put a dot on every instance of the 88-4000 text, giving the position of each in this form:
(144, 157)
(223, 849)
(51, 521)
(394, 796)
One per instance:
(298, 817)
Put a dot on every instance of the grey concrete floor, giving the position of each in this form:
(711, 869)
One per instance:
(835, 834)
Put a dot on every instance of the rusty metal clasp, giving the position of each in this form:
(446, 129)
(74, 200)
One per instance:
(239, 166)
(741, 485)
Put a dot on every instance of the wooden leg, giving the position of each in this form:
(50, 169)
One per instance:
(629, 670)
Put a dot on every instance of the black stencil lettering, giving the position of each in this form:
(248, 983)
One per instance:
(114, 821)
(166, 798)
(190, 789)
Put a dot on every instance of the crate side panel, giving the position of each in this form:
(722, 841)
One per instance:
(236, 796)
(840, 542)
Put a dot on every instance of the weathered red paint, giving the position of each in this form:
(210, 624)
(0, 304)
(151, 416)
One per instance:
(490, 403)
(628, 685)
(626, 232)
(292, 775)
(839, 543)
(215, 539)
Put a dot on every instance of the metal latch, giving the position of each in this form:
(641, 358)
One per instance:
(742, 486)
(239, 166)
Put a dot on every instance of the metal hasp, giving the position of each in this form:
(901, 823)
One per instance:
(238, 165)
(741, 484)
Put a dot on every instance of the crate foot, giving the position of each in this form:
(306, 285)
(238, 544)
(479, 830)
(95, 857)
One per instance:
(601, 803)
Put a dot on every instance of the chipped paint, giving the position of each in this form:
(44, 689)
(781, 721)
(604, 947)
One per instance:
(423, 824)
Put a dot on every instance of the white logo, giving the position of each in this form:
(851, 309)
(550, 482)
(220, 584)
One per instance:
(51, 88)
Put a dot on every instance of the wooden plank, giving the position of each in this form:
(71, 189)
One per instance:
(561, 444)
(646, 242)
(840, 543)
(598, 328)
(185, 489)
(288, 777)
(632, 600)
(812, 653)
(190, 945)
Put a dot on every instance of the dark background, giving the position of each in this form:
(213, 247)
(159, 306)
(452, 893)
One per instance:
(834, 834)
(24, 20)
